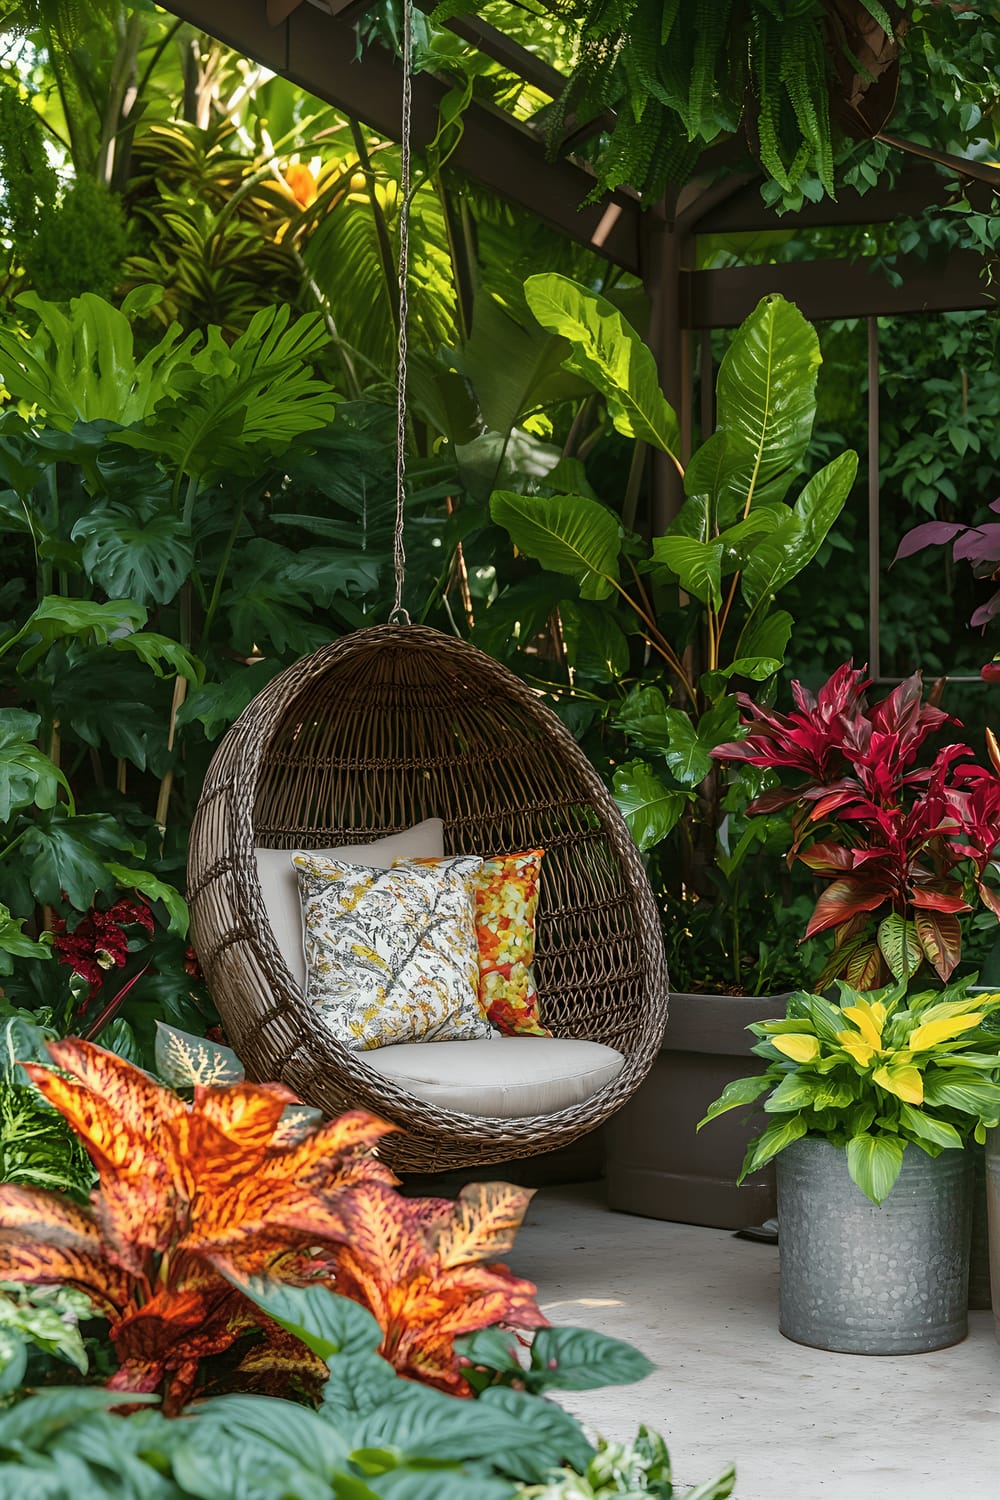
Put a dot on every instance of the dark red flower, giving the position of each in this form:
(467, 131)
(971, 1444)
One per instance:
(99, 942)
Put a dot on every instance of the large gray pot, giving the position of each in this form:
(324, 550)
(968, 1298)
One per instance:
(658, 1163)
(866, 1280)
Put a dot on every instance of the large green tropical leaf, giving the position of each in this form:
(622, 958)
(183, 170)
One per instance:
(57, 618)
(27, 776)
(512, 368)
(67, 855)
(329, 1324)
(781, 555)
(649, 808)
(596, 646)
(565, 533)
(579, 1359)
(494, 460)
(697, 565)
(237, 405)
(765, 637)
(766, 403)
(609, 354)
(135, 552)
(79, 364)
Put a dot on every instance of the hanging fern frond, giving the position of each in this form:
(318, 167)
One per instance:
(710, 42)
(713, 66)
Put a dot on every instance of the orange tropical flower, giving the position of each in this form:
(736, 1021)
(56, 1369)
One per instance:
(190, 1196)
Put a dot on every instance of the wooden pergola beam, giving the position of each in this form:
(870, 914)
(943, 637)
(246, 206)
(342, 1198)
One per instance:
(824, 289)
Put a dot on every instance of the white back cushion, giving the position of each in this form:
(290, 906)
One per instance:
(280, 892)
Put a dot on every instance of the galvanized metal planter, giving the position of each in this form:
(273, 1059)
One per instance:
(993, 1213)
(865, 1280)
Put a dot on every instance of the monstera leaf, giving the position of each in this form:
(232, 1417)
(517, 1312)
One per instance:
(79, 363)
(27, 777)
(135, 552)
(236, 405)
(610, 355)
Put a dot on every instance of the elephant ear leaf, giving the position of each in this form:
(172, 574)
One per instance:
(766, 402)
(566, 534)
(649, 808)
(609, 354)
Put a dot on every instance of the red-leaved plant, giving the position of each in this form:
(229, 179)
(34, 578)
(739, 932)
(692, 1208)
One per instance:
(903, 846)
(194, 1197)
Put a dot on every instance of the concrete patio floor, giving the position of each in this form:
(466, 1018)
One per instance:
(799, 1423)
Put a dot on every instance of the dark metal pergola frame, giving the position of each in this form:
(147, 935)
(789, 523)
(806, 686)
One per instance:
(313, 43)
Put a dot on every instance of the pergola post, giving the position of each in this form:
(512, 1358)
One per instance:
(660, 262)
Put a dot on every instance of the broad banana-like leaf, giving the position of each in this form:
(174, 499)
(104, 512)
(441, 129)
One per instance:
(649, 808)
(766, 403)
(565, 533)
(609, 354)
(782, 554)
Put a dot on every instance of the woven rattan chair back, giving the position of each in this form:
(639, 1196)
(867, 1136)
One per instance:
(371, 734)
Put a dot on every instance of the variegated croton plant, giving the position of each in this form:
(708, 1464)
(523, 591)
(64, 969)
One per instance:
(193, 1198)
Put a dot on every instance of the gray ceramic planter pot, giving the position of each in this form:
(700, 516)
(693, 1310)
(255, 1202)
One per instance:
(866, 1280)
(658, 1163)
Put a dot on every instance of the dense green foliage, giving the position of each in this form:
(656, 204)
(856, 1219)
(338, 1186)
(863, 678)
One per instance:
(374, 1436)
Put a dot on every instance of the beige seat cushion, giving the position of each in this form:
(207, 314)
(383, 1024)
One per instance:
(509, 1076)
(280, 892)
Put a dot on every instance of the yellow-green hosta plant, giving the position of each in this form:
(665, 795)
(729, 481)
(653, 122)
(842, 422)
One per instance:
(873, 1073)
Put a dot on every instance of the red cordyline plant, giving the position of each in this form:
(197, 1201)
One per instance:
(194, 1199)
(903, 846)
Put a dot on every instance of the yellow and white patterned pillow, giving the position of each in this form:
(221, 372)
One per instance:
(391, 955)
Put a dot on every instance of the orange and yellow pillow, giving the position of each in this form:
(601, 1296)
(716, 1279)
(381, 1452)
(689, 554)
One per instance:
(506, 900)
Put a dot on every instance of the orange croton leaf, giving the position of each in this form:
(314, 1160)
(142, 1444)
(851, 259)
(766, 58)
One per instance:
(485, 1221)
(392, 1264)
(187, 1192)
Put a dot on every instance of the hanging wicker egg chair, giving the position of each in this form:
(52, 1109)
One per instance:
(369, 735)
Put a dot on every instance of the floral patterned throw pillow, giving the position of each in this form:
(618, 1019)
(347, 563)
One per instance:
(506, 890)
(391, 955)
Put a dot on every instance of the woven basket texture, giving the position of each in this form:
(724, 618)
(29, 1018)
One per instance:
(375, 732)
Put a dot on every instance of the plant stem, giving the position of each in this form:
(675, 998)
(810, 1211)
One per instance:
(656, 639)
(220, 576)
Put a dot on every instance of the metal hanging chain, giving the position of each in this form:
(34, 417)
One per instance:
(399, 614)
